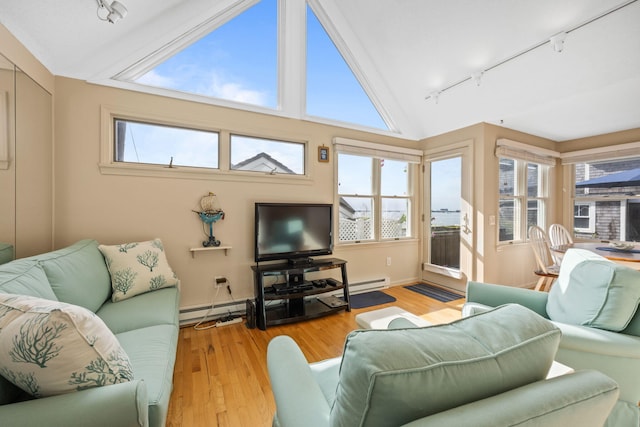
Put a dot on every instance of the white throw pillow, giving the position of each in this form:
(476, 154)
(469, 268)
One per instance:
(137, 268)
(50, 347)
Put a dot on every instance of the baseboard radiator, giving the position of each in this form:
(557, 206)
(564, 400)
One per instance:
(365, 286)
(194, 314)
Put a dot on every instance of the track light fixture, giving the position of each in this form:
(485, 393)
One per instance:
(111, 12)
(557, 42)
(477, 77)
(435, 95)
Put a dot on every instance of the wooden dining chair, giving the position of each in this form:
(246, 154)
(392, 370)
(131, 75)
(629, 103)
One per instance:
(559, 236)
(547, 270)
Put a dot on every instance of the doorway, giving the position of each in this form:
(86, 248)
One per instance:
(448, 239)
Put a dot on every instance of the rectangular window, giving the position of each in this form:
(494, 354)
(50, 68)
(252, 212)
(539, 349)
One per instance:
(606, 200)
(584, 217)
(138, 142)
(375, 198)
(267, 155)
(523, 198)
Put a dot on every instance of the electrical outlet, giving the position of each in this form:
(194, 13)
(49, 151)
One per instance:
(220, 281)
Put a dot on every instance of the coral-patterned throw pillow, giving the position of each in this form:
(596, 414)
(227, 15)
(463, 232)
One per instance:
(50, 347)
(136, 268)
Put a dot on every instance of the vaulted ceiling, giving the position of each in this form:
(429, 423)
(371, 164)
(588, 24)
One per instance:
(414, 57)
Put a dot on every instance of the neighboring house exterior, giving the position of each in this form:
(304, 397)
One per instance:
(262, 162)
(609, 210)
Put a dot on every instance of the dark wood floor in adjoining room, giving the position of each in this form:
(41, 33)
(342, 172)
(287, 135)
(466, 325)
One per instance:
(221, 379)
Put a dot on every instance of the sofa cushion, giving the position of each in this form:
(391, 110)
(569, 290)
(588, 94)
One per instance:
(137, 267)
(152, 352)
(152, 308)
(25, 277)
(78, 274)
(391, 377)
(593, 291)
(49, 348)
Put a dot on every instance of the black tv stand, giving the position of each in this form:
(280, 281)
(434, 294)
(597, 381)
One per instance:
(299, 261)
(303, 301)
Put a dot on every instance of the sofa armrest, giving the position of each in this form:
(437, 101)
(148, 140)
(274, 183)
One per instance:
(496, 295)
(582, 398)
(123, 404)
(614, 354)
(297, 394)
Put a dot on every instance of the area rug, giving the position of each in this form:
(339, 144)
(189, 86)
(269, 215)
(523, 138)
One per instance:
(434, 292)
(369, 299)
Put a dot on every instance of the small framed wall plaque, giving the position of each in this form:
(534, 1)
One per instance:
(323, 154)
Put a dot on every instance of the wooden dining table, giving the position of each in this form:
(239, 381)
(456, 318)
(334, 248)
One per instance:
(629, 258)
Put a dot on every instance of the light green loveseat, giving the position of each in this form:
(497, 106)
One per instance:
(487, 370)
(146, 326)
(589, 293)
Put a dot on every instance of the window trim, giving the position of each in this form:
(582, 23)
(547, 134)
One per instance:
(108, 166)
(376, 151)
(521, 198)
(592, 216)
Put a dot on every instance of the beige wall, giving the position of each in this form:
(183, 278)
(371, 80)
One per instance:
(115, 209)
(34, 168)
(27, 185)
(622, 137)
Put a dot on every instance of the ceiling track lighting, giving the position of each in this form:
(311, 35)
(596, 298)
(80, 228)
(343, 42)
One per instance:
(556, 42)
(435, 95)
(477, 77)
(111, 12)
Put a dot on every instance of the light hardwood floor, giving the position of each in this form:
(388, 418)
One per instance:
(221, 379)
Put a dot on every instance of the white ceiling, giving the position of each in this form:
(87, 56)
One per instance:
(404, 51)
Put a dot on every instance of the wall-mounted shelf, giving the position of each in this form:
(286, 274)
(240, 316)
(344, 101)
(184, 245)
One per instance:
(211, 248)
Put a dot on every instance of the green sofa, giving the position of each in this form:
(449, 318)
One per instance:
(594, 303)
(485, 370)
(145, 325)
(6, 252)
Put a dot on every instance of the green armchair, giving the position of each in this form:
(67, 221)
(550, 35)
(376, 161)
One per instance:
(485, 370)
(594, 303)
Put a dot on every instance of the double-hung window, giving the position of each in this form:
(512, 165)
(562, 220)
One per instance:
(374, 192)
(523, 190)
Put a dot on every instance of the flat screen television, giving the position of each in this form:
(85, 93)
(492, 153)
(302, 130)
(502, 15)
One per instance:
(292, 231)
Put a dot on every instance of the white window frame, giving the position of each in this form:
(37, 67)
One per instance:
(523, 154)
(521, 197)
(592, 216)
(109, 166)
(376, 152)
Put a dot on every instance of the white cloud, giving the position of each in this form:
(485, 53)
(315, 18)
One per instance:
(234, 91)
(152, 78)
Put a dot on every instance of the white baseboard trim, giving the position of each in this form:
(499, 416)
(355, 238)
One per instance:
(194, 314)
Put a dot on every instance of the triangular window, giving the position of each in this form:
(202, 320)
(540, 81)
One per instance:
(236, 62)
(333, 91)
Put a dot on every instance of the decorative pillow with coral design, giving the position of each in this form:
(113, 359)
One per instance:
(50, 347)
(137, 268)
